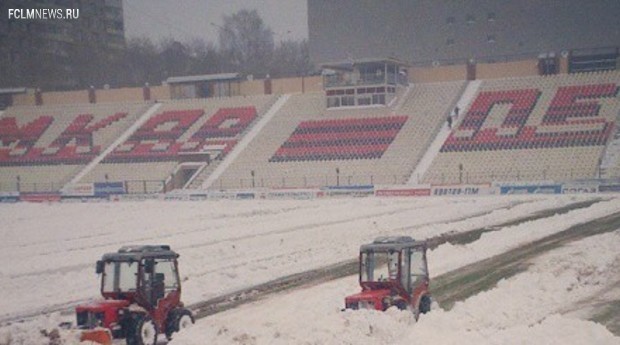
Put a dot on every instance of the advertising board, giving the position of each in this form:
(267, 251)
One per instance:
(452, 190)
(580, 188)
(409, 192)
(109, 188)
(40, 197)
(531, 189)
(291, 194)
(609, 188)
(79, 189)
(9, 197)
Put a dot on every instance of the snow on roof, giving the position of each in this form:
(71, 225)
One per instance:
(205, 77)
(13, 90)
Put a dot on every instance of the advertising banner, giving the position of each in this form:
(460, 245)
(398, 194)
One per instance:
(109, 188)
(40, 197)
(531, 189)
(9, 197)
(580, 188)
(221, 196)
(198, 197)
(351, 191)
(245, 195)
(290, 194)
(135, 197)
(403, 192)
(452, 190)
(79, 189)
(609, 188)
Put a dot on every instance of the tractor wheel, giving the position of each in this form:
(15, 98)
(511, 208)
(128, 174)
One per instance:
(178, 320)
(425, 304)
(142, 331)
(401, 305)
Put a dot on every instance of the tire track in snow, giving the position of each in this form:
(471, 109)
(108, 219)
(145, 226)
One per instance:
(306, 227)
(303, 227)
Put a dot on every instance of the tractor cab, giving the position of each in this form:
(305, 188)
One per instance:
(142, 296)
(140, 274)
(392, 272)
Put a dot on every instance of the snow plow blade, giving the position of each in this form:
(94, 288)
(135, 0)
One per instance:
(97, 336)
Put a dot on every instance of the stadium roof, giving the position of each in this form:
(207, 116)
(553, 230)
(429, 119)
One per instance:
(10, 91)
(206, 77)
(349, 63)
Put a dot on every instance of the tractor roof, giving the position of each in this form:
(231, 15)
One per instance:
(138, 253)
(386, 243)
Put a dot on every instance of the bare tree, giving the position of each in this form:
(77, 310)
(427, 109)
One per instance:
(142, 62)
(205, 58)
(246, 42)
(175, 58)
(291, 58)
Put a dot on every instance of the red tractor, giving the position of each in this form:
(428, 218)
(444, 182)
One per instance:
(393, 272)
(142, 298)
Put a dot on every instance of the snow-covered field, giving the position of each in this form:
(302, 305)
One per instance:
(48, 252)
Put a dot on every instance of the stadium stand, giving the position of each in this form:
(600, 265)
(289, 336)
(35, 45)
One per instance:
(610, 165)
(197, 130)
(534, 128)
(42, 147)
(561, 127)
(307, 145)
(341, 139)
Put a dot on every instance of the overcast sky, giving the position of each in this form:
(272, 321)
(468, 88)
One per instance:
(187, 19)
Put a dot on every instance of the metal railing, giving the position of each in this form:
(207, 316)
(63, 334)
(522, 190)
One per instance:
(308, 181)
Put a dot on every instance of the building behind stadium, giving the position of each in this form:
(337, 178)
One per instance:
(57, 48)
(448, 32)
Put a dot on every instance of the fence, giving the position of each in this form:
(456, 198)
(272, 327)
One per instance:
(308, 181)
(518, 175)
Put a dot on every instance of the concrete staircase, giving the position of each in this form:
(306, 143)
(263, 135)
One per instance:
(610, 161)
(90, 166)
(466, 98)
(205, 178)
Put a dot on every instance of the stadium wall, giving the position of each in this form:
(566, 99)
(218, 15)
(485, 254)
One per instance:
(252, 87)
(65, 97)
(160, 92)
(417, 74)
(513, 69)
(297, 85)
(437, 74)
(120, 95)
(27, 98)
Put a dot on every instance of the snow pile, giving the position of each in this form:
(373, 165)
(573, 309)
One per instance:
(43, 331)
(449, 257)
(523, 309)
(554, 329)
(520, 310)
